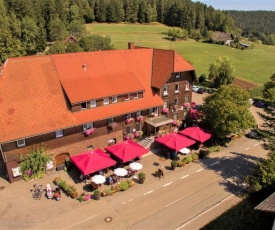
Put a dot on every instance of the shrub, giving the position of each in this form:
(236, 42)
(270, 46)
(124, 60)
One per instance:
(97, 193)
(202, 78)
(203, 153)
(189, 159)
(123, 185)
(141, 176)
(174, 164)
(194, 156)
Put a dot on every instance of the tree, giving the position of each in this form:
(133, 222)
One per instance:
(95, 42)
(176, 32)
(33, 165)
(227, 111)
(57, 48)
(269, 89)
(57, 30)
(221, 71)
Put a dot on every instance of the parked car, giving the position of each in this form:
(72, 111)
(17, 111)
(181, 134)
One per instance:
(201, 90)
(195, 88)
(252, 135)
(259, 104)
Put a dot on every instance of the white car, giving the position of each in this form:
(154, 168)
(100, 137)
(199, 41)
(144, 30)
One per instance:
(195, 88)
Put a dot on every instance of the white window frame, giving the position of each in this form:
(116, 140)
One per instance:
(128, 97)
(22, 144)
(156, 110)
(138, 113)
(177, 74)
(114, 99)
(82, 107)
(88, 126)
(165, 90)
(92, 103)
(177, 88)
(186, 97)
(59, 133)
(106, 101)
(187, 86)
(135, 95)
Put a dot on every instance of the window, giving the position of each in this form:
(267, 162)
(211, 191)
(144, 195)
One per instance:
(114, 99)
(138, 113)
(177, 75)
(127, 116)
(83, 105)
(165, 90)
(175, 115)
(138, 127)
(186, 99)
(127, 97)
(93, 103)
(176, 101)
(177, 88)
(150, 110)
(165, 106)
(135, 95)
(156, 110)
(88, 126)
(111, 120)
(187, 86)
(106, 101)
(59, 133)
(128, 129)
(21, 143)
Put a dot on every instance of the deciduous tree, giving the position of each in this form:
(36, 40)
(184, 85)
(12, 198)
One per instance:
(221, 71)
(227, 111)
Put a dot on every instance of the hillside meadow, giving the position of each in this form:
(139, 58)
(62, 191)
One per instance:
(255, 65)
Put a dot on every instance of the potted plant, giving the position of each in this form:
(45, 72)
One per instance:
(128, 120)
(174, 164)
(97, 194)
(175, 108)
(165, 111)
(176, 123)
(139, 118)
(112, 125)
(141, 177)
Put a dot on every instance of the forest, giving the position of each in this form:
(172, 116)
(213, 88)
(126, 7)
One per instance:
(28, 25)
(256, 25)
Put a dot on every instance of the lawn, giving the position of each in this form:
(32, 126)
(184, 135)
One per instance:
(255, 65)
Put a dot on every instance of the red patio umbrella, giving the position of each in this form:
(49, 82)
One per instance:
(175, 141)
(126, 150)
(92, 161)
(196, 133)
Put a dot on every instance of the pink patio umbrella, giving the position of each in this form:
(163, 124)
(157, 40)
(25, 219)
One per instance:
(175, 141)
(196, 133)
(126, 150)
(92, 161)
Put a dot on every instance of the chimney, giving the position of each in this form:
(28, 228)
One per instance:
(84, 66)
(131, 45)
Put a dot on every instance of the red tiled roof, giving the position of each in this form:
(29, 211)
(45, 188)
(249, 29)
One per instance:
(104, 74)
(31, 99)
(165, 63)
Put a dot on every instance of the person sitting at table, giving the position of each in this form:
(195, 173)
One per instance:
(110, 180)
(114, 177)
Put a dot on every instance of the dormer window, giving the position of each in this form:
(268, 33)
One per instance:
(177, 75)
(114, 99)
(138, 113)
(88, 126)
(21, 143)
(177, 88)
(93, 103)
(127, 97)
(165, 90)
(106, 101)
(111, 120)
(128, 116)
(135, 95)
(83, 105)
(59, 133)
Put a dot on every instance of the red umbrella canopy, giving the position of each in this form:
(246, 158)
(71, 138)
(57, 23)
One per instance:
(175, 141)
(127, 150)
(196, 133)
(92, 161)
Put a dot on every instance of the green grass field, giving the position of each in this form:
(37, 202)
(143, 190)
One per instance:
(255, 65)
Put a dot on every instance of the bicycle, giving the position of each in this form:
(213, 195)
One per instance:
(37, 191)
